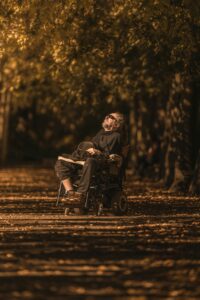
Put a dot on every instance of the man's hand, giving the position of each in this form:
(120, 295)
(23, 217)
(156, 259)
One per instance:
(93, 151)
(116, 158)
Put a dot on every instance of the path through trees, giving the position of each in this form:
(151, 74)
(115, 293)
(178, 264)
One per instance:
(153, 252)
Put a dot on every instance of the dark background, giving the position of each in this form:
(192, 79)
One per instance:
(66, 64)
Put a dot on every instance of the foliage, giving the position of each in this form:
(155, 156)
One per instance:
(76, 58)
(91, 51)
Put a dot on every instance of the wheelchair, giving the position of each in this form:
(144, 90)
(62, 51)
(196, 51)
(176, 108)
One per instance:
(105, 194)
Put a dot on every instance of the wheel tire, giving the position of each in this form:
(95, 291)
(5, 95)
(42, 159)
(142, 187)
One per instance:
(67, 210)
(77, 211)
(119, 203)
(99, 208)
(85, 211)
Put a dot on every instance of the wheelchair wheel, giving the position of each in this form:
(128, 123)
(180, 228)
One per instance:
(119, 203)
(77, 211)
(67, 211)
(98, 208)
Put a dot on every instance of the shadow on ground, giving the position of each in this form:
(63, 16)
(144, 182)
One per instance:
(152, 253)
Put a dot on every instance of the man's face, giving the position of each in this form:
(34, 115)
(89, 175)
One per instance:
(109, 122)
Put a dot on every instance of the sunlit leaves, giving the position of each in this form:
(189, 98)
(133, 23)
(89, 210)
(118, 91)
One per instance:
(93, 49)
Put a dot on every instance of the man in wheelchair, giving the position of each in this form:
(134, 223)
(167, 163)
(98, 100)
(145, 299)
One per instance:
(94, 165)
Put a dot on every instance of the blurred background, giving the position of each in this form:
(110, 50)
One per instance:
(65, 64)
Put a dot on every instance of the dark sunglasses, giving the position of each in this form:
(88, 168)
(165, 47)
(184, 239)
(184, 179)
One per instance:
(111, 117)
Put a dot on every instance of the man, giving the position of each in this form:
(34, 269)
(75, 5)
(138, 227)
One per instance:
(108, 141)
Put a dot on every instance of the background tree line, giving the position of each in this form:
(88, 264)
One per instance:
(65, 64)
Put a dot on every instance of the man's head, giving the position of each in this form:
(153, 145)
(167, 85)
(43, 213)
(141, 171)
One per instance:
(113, 121)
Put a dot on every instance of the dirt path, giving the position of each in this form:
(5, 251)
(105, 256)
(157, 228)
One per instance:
(152, 253)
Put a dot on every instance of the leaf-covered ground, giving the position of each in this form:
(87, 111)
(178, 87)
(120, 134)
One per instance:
(152, 253)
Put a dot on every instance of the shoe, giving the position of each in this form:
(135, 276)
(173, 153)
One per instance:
(73, 198)
(70, 211)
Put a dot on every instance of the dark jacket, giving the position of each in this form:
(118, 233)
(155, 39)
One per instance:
(108, 142)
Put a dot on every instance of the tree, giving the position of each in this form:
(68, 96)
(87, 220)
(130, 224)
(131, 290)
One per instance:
(86, 56)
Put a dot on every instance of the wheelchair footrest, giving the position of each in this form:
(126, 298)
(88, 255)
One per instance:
(72, 204)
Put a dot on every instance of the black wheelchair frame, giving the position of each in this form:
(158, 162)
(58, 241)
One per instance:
(106, 191)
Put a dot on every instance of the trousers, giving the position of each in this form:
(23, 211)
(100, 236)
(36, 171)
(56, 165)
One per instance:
(66, 170)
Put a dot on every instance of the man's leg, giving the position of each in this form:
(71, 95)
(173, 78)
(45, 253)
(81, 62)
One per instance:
(64, 171)
(67, 185)
(87, 172)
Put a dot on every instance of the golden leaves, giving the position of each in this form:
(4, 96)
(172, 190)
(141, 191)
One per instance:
(123, 47)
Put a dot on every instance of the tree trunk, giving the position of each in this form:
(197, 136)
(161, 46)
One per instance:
(167, 147)
(133, 133)
(179, 151)
(5, 102)
(195, 183)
